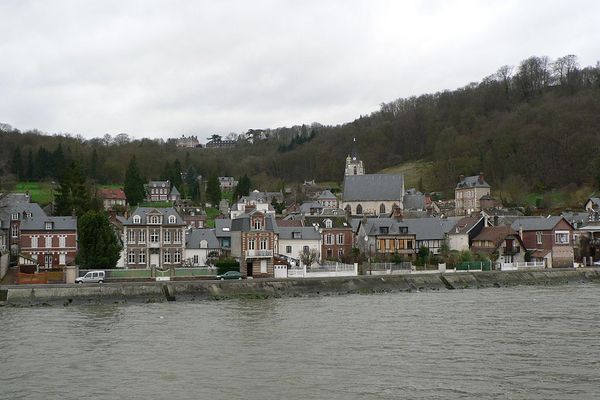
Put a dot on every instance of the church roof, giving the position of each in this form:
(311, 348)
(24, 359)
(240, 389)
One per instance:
(373, 187)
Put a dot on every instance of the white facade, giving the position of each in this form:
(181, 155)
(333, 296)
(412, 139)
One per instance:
(293, 247)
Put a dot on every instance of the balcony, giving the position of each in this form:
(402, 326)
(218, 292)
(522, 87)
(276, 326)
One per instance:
(259, 253)
(154, 245)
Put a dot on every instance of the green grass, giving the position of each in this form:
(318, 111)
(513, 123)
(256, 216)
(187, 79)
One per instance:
(40, 192)
(413, 171)
(156, 204)
(211, 214)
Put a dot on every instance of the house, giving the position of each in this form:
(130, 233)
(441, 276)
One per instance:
(311, 208)
(13, 210)
(414, 200)
(431, 233)
(227, 183)
(51, 241)
(256, 200)
(461, 236)
(223, 234)
(294, 240)
(112, 197)
(193, 217)
(502, 242)
(386, 236)
(547, 238)
(200, 244)
(327, 199)
(161, 191)
(337, 238)
(254, 243)
(187, 141)
(154, 237)
(468, 193)
(593, 203)
(219, 143)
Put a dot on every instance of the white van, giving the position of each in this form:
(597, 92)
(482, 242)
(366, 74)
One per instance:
(91, 277)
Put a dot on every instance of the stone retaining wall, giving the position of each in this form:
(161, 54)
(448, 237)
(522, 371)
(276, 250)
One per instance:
(264, 288)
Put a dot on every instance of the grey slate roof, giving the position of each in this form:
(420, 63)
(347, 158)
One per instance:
(472, 181)
(223, 227)
(195, 236)
(13, 198)
(159, 184)
(336, 222)
(25, 210)
(175, 192)
(305, 232)
(429, 228)
(242, 223)
(373, 187)
(595, 201)
(144, 211)
(414, 202)
(535, 223)
(307, 206)
(59, 223)
(394, 227)
(326, 194)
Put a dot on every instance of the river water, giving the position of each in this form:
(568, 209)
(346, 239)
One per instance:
(509, 343)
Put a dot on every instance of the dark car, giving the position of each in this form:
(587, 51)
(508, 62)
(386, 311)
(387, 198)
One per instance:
(230, 275)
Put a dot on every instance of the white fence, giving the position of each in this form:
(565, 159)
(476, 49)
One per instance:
(522, 265)
(323, 271)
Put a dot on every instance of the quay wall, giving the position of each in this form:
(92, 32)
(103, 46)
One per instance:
(25, 295)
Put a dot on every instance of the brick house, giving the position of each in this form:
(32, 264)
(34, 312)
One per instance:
(112, 197)
(254, 242)
(161, 191)
(547, 238)
(468, 193)
(153, 237)
(337, 238)
(50, 241)
(13, 210)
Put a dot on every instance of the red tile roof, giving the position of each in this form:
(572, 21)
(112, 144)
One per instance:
(113, 194)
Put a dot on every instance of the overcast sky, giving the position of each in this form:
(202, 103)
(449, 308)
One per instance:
(166, 68)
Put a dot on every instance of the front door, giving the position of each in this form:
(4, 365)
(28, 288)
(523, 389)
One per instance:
(249, 268)
(154, 259)
(48, 260)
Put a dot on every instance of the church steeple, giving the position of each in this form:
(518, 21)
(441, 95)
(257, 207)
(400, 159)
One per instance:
(354, 165)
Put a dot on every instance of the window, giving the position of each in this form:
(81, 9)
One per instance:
(142, 259)
(62, 241)
(48, 241)
(329, 253)
(296, 235)
(137, 219)
(382, 208)
(340, 253)
(62, 259)
(263, 243)
(154, 236)
(131, 257)
(288, 249)
(561, 237)
(177, 236)
(538, 237)
(195, 259)
(328, 223)
(251, 244)
(142, 237)
(257, 224)
(34, 241)
(167, 257)
(130, 236)
(340, 238)
(305, 249)
(48, 226)
(14, 231)
(167, 237)
(14, 216)
(328, 239)
(154, 219)
(171, 219)
(359, 209)
(177, 257)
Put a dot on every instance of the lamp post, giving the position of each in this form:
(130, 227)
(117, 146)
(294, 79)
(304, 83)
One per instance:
(370, 258)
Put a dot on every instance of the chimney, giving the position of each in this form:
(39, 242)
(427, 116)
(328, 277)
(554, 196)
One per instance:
(481, 177)
(521, 231)
(461, 178)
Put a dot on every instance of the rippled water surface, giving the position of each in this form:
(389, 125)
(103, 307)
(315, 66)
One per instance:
(515, 343)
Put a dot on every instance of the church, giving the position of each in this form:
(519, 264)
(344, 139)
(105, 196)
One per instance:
(370, 194)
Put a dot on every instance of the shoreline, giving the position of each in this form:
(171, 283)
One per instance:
(152, 292)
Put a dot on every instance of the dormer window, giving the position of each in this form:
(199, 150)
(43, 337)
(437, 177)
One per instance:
(15, 216)
(384, 229)
(328, 223)
(171, 219)
(137, 219)
(257, 224)
(48, 226)
(154, 219)
(296, 235)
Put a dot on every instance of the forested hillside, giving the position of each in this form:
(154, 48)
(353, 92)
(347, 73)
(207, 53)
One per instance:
(534, 126)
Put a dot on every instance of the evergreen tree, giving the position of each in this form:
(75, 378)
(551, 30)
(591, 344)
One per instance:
(30, 167)
(176, 177)
(58, 162)
(94, 165)
(63, 199)
(242, 188)
(17, 163)
(79, 191)
(192, 185)
(42, 163)
(213, 190)
(134, 184)
(98, 243)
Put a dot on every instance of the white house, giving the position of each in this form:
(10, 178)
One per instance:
(200, 244)
(293, 240)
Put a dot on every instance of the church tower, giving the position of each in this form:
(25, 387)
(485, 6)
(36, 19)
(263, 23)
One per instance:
(354, 165)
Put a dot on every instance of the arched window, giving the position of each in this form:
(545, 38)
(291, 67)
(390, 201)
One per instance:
(328, 223)
(137, 219)
(382, 209)
(171, 219)
(355, 170)
(359, 209)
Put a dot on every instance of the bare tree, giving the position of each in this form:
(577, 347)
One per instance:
(308, 256)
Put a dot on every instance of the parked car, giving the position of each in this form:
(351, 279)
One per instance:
(91, 277)
(230, 275)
